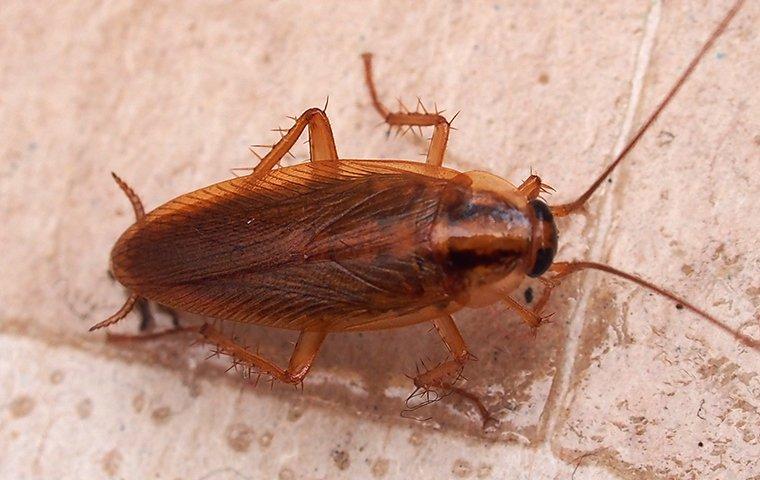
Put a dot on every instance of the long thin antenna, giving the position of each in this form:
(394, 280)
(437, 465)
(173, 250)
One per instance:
(568, 208)
(563, 269)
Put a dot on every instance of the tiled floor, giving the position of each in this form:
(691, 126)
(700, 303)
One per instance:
(620, 385)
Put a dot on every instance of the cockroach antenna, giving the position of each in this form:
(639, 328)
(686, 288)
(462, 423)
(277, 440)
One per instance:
(562, 269)
(572, 207)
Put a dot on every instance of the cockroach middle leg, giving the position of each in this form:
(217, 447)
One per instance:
(301, 360)
(411, 119)
(321, 141)
(452, 338)
(444, 376)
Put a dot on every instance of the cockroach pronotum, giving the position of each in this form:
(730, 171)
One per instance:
(336, 245)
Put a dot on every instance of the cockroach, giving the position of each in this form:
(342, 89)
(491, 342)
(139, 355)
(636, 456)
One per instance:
(337, 245)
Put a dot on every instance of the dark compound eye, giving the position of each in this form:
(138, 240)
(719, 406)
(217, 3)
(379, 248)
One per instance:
(544, 258)
(542, 211)
(544, 238)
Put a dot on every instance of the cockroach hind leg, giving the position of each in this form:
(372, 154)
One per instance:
(144, 337)
(172, 314)
(406, 120)
(147, 321)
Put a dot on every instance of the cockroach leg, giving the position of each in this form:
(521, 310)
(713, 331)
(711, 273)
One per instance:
(300, 361)
(147, 320)
(321, 141)
(549, 286)
(440, 125)
(445, 375)
(172, 314)
(531, 187)
(452, 338)
(532, 317)
(123, 338)
(146, 316)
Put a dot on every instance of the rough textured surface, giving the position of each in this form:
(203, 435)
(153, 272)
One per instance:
(621, 385)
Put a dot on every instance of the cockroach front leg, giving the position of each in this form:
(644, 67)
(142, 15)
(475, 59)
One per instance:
(300, 361)
(321, 141)
(532, 317)
(532, 187)
(411, 119)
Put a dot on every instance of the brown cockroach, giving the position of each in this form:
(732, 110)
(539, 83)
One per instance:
(336, 245)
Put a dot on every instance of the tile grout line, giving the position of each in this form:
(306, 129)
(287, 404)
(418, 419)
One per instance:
(604, 225)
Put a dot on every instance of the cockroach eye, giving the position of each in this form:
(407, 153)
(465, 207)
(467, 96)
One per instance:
(544, 239)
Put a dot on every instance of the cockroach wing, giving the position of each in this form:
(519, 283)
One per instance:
(318, 246)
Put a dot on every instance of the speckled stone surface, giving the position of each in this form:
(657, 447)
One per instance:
(620, 385)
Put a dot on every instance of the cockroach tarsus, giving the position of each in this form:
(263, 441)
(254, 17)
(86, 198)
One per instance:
(350, 245)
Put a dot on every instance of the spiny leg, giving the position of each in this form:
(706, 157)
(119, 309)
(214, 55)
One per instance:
(455, 345)
(139, 210)
(531, 317)
(532, 187)
(321, 141)
(440, 125)
(300, 361)
(445, 375)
